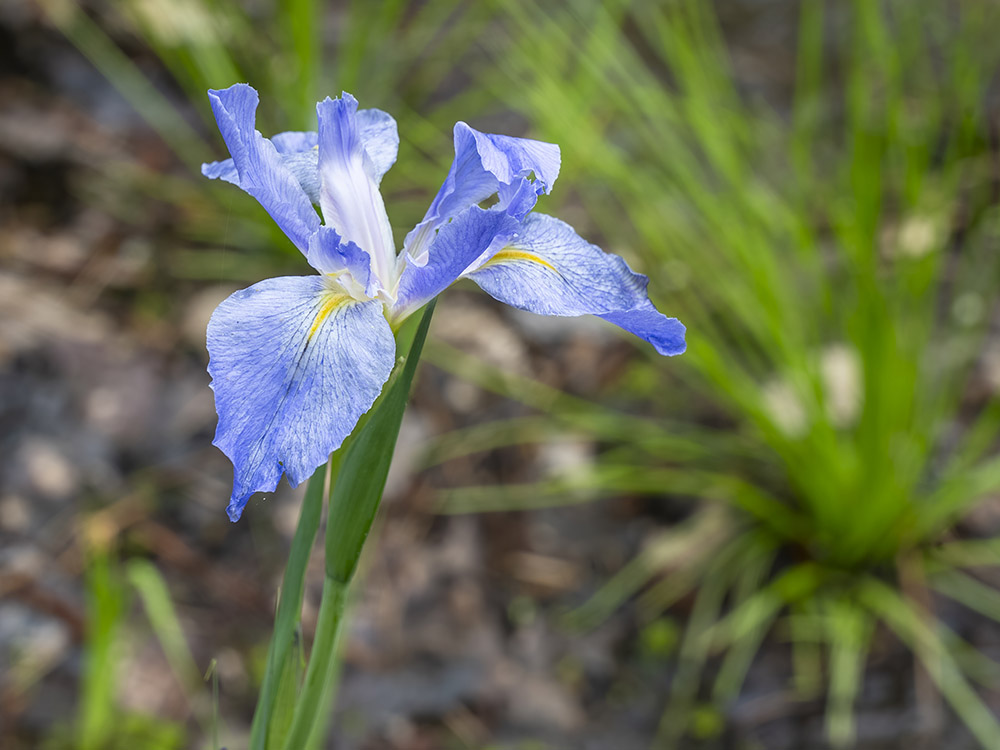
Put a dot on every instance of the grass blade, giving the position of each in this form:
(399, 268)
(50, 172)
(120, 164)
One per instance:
(849, 631)
(910, 626)
(289, 607)
(162, 615)
(106, 597)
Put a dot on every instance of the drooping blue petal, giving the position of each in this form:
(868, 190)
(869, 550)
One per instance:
(549, 269)
(473, 233)
(294, 365)
(259, 168)
(665, 334)
(328, 253)
(483, 163)
(349, 194)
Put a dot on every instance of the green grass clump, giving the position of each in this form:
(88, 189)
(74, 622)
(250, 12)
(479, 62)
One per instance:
(835, 262)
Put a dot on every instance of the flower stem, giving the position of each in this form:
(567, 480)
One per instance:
(357, 492)
(289, 604)
(323, 664)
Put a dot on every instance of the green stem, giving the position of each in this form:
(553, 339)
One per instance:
(322, 663)
(289, 604)
(353, 505)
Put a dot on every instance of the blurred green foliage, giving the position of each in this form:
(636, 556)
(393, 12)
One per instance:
(834, 257)
(101, 724)
(835, 263)
(411, 60)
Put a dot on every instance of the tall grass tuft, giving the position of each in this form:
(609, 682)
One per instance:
(835, 259)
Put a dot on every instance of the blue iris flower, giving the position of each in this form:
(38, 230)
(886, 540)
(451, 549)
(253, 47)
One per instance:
(295, 361)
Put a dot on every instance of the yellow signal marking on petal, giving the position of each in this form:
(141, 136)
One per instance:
(331, 301)
(509, 254)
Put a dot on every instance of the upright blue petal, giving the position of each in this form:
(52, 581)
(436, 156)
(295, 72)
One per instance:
(377, 130)
(300, 153)
(295, 141)
(483, 163)
(294, 365)
(474, 233)
(349, 194)
(519, 197)
(221, 170)
(259, 168)
(297, 153)
(549, 269)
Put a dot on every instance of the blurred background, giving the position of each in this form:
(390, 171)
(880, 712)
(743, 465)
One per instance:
(789, 537)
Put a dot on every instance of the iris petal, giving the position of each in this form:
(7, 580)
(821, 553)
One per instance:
(645, 321)
(294, 365)
(295, 141)
(349, 194)
(328, 253)
(221, 170)
(378, 133)
(457, 245)
(550, 270)
(483, 164)
(299, 153)
(259, 168)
